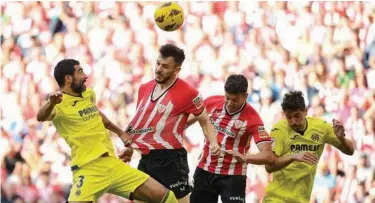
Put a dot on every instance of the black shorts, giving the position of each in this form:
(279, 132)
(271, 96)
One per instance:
(208, 187)
(170, 168)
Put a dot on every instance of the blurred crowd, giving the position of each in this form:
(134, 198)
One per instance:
(325, 49)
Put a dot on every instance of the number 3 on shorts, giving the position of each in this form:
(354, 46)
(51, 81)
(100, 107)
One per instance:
(80, 182)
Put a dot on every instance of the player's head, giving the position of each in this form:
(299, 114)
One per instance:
(168, 63)
(294, 108)
(69, 73)
(235, 92)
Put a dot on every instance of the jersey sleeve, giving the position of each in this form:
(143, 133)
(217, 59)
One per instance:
(330, 137)
(277, 140)
(209, 103)
(139, 95)
(195, 103)
(258, 131)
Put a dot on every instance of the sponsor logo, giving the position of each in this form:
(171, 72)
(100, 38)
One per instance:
(74, 103)
(238, 198)
(198, 101)
(294, 136)
(179, 183)
(87, 111)
(262, 132)
(304, 147)
(140, 131)
(225, 131)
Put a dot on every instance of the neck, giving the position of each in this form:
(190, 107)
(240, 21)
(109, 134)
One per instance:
(235, 110)
(69, 91)
(167, 84)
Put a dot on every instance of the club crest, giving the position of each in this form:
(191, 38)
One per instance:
(161, 108)
(238, 124)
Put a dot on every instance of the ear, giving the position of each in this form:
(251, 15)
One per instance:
(177, 69)
(68, 79)
(305, 111)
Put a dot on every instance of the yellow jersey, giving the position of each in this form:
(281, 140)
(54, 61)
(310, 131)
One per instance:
(78, 121)
(294, 183)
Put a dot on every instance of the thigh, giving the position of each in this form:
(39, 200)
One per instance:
(232, 189)
(203, 190)
(88, 185)
(125, 179)
(173, 173)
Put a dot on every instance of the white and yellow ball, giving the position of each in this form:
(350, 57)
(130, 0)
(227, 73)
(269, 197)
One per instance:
(169, 16)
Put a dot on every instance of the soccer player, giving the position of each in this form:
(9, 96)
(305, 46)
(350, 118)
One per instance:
(96, 169)
(163, 107)
(298, 142)
(236, 123)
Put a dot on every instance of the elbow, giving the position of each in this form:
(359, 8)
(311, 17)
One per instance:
(349, 152)
(270, 158)
(40, 118)
(269, 169)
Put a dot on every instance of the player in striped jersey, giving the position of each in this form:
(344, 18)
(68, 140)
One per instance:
(236, 123)
(163, 107)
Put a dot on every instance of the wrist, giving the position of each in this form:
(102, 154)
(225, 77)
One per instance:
(292, 157)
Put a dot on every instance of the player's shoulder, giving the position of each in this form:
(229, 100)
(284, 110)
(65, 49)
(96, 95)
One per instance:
(185, 86)
(317, 122)
(149, 84)
(281, 125)
(214, 99)
(250, 113)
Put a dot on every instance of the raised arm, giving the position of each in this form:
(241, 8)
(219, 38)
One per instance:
(47, 111)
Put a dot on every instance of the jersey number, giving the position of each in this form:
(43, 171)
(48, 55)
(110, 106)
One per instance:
(80, 183)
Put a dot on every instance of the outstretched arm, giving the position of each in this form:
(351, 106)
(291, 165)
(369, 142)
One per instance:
(126, 139)
(265, 156)
(284, 161)
(47, 112)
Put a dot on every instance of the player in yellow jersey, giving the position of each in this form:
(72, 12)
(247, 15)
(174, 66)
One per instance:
(298, 142)
(96, 169)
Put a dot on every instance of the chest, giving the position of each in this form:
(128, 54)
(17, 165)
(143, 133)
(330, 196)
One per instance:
(228, 125)
(311, 141)
(79, 112)
(165, 104)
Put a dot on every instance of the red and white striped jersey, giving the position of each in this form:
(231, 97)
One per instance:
(160, 123)
(234, 132)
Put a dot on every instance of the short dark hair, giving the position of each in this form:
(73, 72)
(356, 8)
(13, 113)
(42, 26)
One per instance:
(293, 101)
(236, 84)
(172, 50)
(63, 68)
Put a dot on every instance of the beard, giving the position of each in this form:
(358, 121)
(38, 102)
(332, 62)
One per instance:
(163, 80)
(78, 87)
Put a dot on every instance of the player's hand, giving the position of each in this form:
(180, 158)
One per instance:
(238, 156)
(55, 97)
(338, 128)
(126, 155)
(306, 157)
(215, 149)
(126, 139)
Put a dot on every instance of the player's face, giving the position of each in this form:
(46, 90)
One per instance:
(79, 79)
(234, 102)
(166, 70)
(296, 119)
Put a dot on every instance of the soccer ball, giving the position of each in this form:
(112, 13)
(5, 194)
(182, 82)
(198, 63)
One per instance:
(169, 16)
